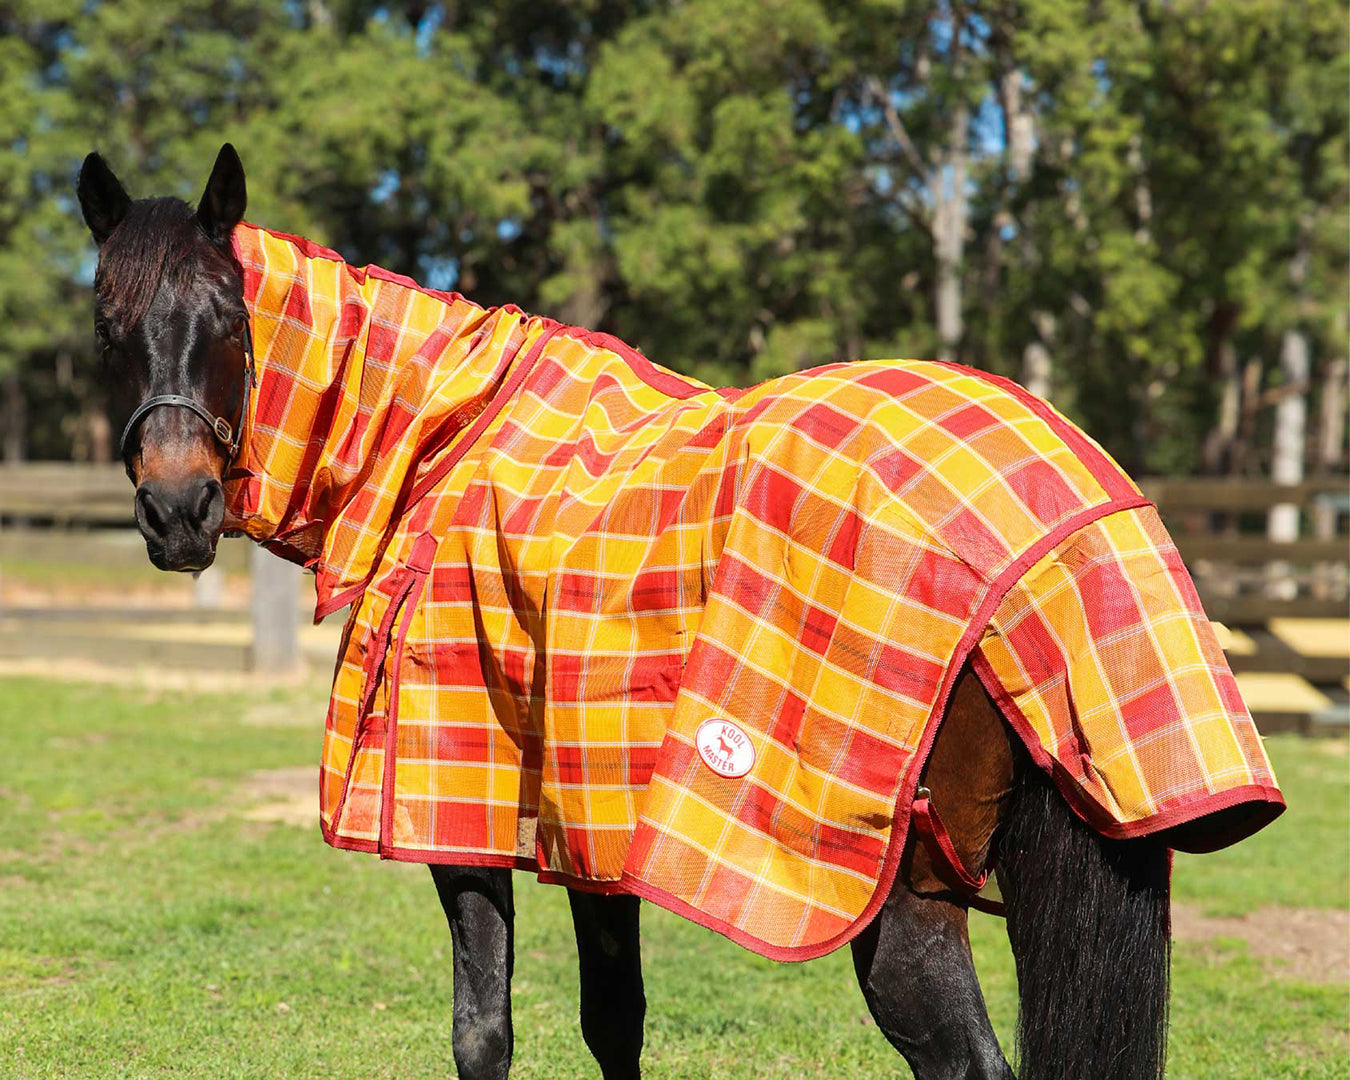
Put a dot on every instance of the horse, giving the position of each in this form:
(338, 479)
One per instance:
(1087, 914)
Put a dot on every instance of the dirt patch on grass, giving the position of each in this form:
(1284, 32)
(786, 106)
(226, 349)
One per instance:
(76, 742)
(1311, 944)
(150, 678)
(307, 714)
(11, 883)
(285, 795)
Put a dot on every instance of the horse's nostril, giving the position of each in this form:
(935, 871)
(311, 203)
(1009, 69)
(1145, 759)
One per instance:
(151, 513)
(208, 506)
(204, 496)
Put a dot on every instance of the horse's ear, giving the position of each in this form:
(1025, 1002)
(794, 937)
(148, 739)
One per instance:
(103, 199)
(223, 201)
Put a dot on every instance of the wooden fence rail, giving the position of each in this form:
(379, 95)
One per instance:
(82, 514)
(1244, 577)
(66, 493)
(1239, 494)
(59, 513)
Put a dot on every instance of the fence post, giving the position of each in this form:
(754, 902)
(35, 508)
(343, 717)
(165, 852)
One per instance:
(208, 587)
(276, 612)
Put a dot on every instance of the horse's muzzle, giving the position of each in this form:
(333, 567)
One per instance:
(181, 523)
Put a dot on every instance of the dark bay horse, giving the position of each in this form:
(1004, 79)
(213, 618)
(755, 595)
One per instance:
(1087, 916)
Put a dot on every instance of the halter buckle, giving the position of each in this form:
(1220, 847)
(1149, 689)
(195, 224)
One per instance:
(223, 431)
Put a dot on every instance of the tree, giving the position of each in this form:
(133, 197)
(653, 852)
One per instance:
(1103, 196)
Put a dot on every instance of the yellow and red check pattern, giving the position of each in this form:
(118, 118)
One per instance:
(563, 559)
(1103, 659)
(365, 383)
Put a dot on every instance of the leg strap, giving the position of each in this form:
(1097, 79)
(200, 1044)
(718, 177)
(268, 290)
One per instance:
(946, 859)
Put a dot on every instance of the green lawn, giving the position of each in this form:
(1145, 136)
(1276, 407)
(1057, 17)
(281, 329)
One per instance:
(147, 928)
(40, 574)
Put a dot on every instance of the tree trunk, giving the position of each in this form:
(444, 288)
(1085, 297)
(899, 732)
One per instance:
(1291, 425)
(1143, 194)
(1019, 124)
(1250, 395)
(1291, 413)
(15, 427)
(1018, 150)
(1221, 364)
(1036, 369)
(1331, 422)
(1216, 456)
(276, 614)
(1329, 579)
(1291, 434)
(950, 212)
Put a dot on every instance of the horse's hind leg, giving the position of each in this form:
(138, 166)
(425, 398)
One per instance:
(479, 908)
(612, 1003)
(916, 972)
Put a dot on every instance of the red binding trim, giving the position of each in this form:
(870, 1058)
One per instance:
(450, 857)
(311, 250)
(374, 661)
(476, 429)
(342, 599)
(611, 887)
(1105, 471)
(419, 567)
(379, 273)
(308, 248)
(664, 381)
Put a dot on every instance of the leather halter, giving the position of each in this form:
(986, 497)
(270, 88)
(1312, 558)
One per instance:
(230, 437)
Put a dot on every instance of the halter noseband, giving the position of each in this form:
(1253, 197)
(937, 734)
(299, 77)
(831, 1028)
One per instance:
(230, 437)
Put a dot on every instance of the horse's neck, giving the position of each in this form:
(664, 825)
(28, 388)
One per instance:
(355, 366)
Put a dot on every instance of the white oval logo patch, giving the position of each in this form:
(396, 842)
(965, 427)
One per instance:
(724, 748)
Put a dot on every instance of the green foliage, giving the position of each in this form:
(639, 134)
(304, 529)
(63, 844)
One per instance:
(738, 187)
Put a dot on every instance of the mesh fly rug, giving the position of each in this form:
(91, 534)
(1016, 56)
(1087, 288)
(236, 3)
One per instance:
(640, 635)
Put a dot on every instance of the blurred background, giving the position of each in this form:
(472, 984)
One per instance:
(1136, 208)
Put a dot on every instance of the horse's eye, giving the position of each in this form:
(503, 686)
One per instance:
(238, 326)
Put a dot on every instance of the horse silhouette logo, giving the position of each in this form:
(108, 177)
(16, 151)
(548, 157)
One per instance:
(725, 748)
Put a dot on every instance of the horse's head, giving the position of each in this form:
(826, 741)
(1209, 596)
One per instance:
(173, 333)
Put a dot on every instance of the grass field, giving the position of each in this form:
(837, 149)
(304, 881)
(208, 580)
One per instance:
(149, 927)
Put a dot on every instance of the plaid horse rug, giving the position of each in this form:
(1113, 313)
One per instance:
(640, 635)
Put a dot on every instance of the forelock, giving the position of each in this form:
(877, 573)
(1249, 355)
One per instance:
(158, 242)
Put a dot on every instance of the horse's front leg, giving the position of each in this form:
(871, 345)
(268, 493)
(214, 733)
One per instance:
(479, 908)
(612, 1003)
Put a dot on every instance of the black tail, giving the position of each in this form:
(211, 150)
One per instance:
(1088, 919)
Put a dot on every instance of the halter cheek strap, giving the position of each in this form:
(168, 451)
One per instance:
(229, 436)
